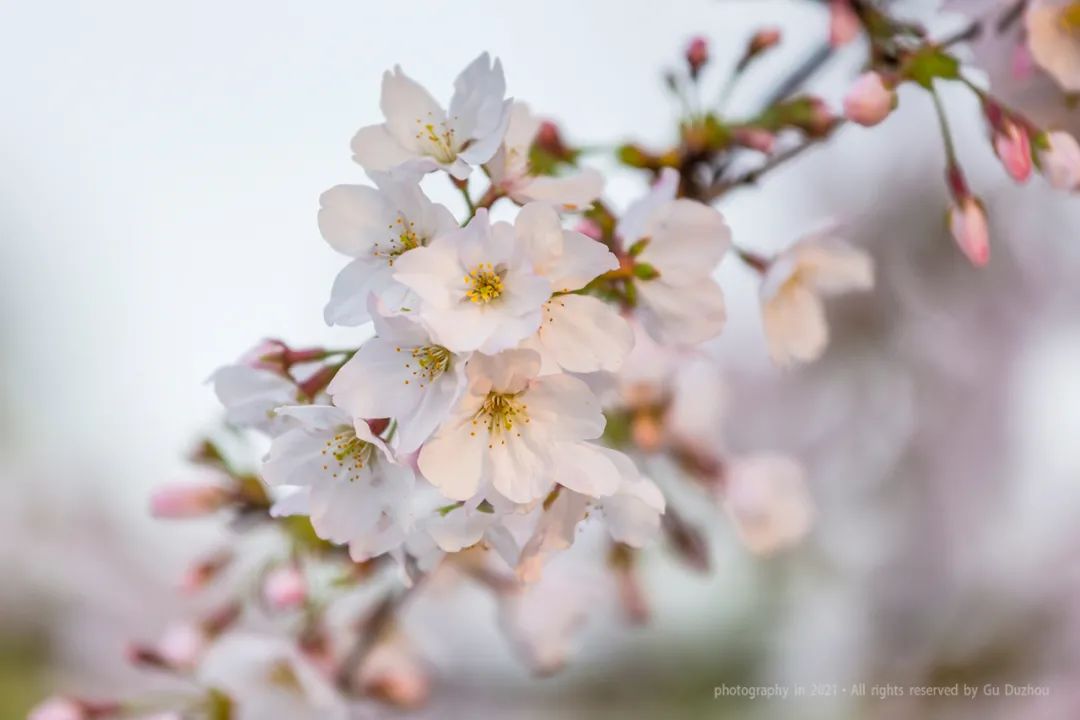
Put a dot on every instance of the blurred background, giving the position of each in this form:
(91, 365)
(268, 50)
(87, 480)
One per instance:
(161, 171)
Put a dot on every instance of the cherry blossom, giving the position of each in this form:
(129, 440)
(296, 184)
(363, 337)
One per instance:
(510, 427)
(344, 478)
(420, 134)
(477, 289)
(512, 173)
(1060, 161)
(768, 502)
(376, 227)
(402, 374)
(679, 242)
(792, 292)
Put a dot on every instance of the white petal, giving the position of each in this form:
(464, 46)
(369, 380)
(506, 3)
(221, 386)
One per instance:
(317, 417)
(348, 304)
(478, 110)
(570, 192)
(687, 240)
(434, 407)
(832, 266)
(408, 107)
(378, 381)
(768, 500)
(584, 334)
(374, 148)
(585, 469)
(508, 371)
(688, 315)
(632, 224)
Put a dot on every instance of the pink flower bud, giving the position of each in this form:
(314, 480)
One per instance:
(185, 501)
(756, 139)
(1013, 148)
(844, 24)
(1060, 161)
(697, 55)
(869, 101)
(285, 588)
(968, 225)
(269, 354)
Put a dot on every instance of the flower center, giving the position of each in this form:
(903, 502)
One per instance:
(427, 363)
(403, 238)
(484, 284)
(437, 138)
(345, 455)
(500, 412)
(1069, 19)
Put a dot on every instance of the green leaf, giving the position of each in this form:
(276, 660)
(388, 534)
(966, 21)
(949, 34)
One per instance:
(929, 63)
(645, 271)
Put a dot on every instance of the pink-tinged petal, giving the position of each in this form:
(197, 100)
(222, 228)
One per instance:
(565, 407)
(768, 501)
(519, 471)
(795, 325)
(554, 532)
(508, 371)
(431, 272)
(453, 459)
(583, 334)
(374, 148)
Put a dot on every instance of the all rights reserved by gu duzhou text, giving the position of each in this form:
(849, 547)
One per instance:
(877, 691)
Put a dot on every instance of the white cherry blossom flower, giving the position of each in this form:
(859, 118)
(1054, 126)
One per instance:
(683, 241)
(401, 374)
(509, 428)
(268, 677)
(1054, 39)
(476, 286)
(344, 479)
(792, 289)
(251, 396)
(376, 226)
(578, 333)
(767, 499)
(420, 134)
(512, 174)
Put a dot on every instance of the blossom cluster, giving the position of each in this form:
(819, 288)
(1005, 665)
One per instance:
(534, 366)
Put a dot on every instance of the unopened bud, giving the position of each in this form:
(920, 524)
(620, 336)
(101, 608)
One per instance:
(1013, 148)
(285, 588)
(969, 228)
(756, 139)
(697, 55)
(870, 100)
(844, 23)
(204, 571)
(549, 139)
(186, 501)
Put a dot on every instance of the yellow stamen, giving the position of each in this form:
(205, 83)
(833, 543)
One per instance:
(1069, 19)
(483, 283)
